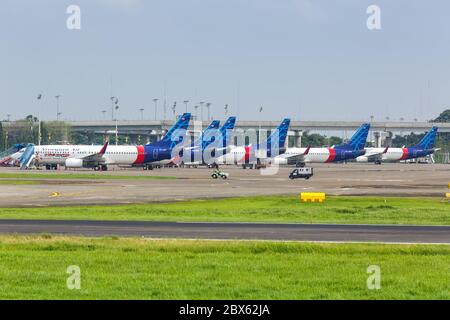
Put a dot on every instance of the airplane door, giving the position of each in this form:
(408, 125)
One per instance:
(155, 154)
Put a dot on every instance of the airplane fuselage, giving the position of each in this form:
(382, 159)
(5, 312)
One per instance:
(119, 155)
(394, 154)
(317, 155)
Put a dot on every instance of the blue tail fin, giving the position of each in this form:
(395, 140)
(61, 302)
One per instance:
(181, 124)
(226, 130)
(358, 140)
(205, 138)
(428, 140)
(25, 159)
(214, 125)
(280, 133)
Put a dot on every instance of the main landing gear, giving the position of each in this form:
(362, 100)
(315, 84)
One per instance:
(102, 167)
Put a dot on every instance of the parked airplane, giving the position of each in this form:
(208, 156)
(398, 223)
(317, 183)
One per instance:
(99, 157)
(197, 154)
(379, 155)
(343, 152)
(250, 156)
(10, 156)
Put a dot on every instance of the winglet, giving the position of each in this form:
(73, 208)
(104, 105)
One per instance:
(103, 150)
(307, 150)
(386, 150)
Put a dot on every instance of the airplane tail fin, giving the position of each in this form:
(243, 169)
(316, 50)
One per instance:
(278, 137)
(429, 139)
(181, 124)
(27, 157)
(226, 130)
(207, 134)
(358, 140)
(214, 125)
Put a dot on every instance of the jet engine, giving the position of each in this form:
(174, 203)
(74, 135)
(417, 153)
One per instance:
(74, 163)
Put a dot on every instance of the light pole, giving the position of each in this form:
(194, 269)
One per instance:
(259, 131)
(117, 109)
(114, 104)
(117, 133)
(186, 104)
(156, 106)
(196, 112)
(372, 117)
(8, 117)
(39, 97)
(208, 106)
(57, 107)
(201, 109)
(142, 113)
(104, 114)
(226, 109)
(174, 108)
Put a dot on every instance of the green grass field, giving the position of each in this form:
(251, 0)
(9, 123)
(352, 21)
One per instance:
(35, 268)
(19, 182)
(86, 176)
(361, 210)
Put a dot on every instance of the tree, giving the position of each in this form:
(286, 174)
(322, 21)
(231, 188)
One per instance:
(443, 140)
(314, 139)
(334, 141)
(55, 132)
(443, 117)
(2, 138)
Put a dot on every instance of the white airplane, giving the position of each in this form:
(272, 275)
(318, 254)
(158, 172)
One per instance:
(343, 152)
(251, 155)
(99, 157)
(423, 148)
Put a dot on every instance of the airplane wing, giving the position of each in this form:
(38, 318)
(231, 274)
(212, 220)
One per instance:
(376, 156)
(96, 157)
(296, 158)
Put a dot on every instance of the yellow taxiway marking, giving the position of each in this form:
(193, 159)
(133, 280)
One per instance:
(54, 194)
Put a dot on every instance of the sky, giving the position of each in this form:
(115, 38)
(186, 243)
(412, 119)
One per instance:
(303, 59)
